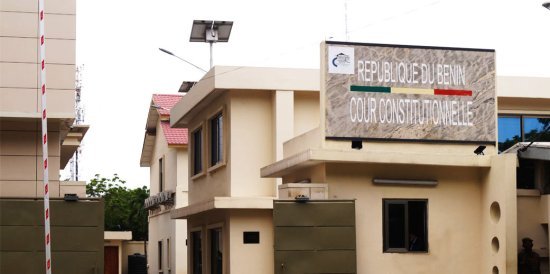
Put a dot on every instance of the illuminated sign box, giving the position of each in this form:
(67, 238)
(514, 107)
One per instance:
(374, 91)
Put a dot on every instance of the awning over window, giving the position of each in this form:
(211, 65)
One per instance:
(536, 151)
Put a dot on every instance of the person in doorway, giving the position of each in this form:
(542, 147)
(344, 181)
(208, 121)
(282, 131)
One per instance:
(528, 260)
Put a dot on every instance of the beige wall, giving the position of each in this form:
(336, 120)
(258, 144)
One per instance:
(19, 48)
(530, 223)
(251, 130)
(182, 176)
(306, 106)
(160, 150)
(238, 257)
(499, 187)
(523, 87)
(462, 230)
(21, 162)
(20, 98)
(161, 226)
(241, 254)
(211, 182)
(454, 230)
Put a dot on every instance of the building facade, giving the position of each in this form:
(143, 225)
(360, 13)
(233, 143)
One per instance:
(76, 241)
(266, 161)
(237, 126)
(165, 153)
(524, 115)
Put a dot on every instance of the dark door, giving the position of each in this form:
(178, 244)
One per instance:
(314, 236)
(111, 260)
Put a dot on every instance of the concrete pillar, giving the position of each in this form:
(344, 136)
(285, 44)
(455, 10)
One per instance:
(283, 115)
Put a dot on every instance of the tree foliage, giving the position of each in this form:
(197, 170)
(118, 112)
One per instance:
(123, 207)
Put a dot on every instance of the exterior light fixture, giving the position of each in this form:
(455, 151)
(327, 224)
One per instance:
(479, 150)
(357, 144)
(377, 181)
(209, 31)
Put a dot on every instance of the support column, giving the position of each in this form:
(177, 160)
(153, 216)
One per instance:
(283, 115)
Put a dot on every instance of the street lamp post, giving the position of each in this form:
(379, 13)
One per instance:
(170, 53)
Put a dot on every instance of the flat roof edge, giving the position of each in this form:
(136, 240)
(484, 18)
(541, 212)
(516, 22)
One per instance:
(316, 156)
(223, 203)
(221, 78)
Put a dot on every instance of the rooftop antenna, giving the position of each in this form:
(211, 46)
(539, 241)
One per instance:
(79, 120)
(346, 18)
(210, 31)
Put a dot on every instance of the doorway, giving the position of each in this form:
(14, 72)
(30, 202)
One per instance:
(111, 260)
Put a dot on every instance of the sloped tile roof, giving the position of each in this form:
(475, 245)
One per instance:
(174, 136)
(165, 102)
(161, 104)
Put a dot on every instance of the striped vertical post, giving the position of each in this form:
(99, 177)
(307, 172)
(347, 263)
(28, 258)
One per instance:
(44, 138)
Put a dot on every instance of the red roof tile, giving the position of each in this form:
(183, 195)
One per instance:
(165, 102)
(174, 136)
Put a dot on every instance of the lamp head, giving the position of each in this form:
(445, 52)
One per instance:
(357, 144)
(166, 51)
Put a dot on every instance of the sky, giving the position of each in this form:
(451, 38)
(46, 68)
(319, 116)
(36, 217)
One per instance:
(118, 41)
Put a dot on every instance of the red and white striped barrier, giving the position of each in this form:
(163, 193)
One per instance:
(44, 138)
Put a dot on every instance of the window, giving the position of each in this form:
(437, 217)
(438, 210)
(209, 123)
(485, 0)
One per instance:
(405, 225)
(533, 129)
(216, 251)
(216, 139)
(197, 151)
(161, 174)
(519, 128)
(168, 254)
(160, 255)
(196, 253)
(546, 177)
(509, 132)
(525, 174)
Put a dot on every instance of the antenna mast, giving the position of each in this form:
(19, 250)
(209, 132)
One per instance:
(346, 18)
(79, 120)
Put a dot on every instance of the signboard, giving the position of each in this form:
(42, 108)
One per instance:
(375, 91)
